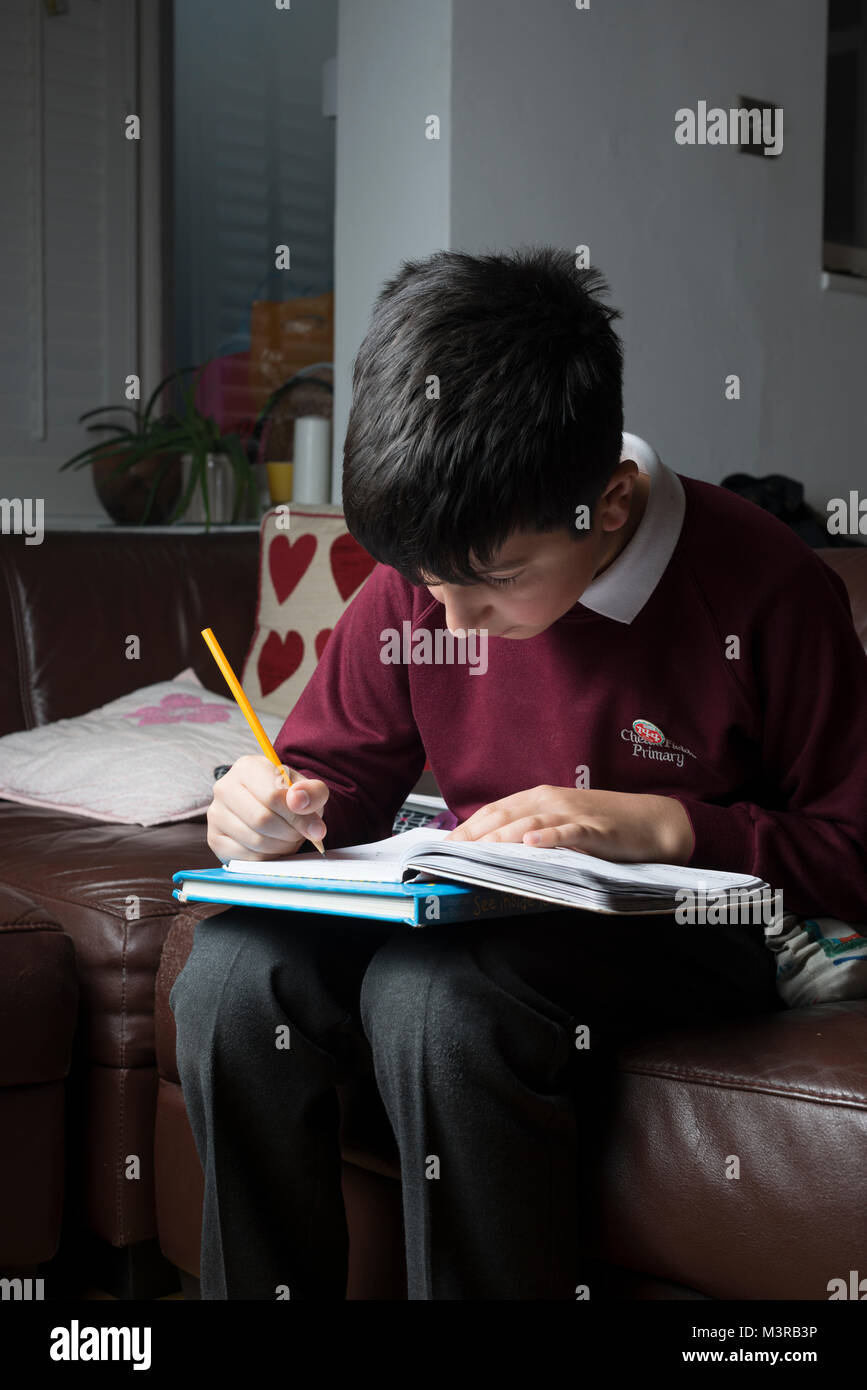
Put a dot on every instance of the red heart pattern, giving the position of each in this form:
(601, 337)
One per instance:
(278, 660)
(280, 657)
(288, 562)
(350, 564)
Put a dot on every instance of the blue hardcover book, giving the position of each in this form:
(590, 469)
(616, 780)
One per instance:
(418, 904)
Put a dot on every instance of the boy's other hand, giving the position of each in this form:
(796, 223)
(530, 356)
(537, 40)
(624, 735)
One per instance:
(254, 815)
(621, 826)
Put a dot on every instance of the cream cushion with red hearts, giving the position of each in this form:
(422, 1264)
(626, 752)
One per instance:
(309, 572)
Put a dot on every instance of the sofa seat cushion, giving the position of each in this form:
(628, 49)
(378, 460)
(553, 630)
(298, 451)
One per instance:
(38, 993)
(732, 1160)
(38, 998)
(850, 562)
(111, 886)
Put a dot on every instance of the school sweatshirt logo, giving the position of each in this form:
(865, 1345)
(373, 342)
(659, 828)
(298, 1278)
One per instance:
(648, 732)
(649, 742)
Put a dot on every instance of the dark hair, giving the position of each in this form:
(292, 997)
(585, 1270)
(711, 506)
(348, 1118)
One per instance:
(528, 424)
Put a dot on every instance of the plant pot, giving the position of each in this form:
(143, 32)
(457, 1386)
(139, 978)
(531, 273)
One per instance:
(124, 494)
(221, 493)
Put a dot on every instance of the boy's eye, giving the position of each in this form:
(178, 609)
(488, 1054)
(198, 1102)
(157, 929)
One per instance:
(501, 582)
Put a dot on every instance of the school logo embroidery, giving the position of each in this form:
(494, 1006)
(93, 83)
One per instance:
(648, 732)
(648, 741)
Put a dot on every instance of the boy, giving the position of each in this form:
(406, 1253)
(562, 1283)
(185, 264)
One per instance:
(671, 675)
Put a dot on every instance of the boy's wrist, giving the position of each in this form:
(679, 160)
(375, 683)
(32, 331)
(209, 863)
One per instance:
(677, 836)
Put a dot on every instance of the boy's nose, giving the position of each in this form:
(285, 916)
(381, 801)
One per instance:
(460, 611)
(465, 621)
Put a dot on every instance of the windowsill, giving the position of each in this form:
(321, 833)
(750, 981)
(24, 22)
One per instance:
(848, 284)
(76, 523)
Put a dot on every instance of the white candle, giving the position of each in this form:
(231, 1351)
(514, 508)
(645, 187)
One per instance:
(311, 477)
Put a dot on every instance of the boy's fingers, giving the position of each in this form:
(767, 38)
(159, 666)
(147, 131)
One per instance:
(252, 827)
(267, 783)
(304, 802)
(306, 795)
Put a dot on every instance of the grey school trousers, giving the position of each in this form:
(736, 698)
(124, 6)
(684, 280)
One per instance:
(470, 1033)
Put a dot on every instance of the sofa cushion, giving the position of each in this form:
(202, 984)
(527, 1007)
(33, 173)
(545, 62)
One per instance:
(38, 1001)
(732, 1155)
(850, 562)
(310, 569)
(112, 889)
(147, 758)
(38, 993)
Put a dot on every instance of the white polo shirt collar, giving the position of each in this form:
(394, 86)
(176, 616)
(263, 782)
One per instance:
(625, 586)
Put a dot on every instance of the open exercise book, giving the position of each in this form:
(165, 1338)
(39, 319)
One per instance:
(416, 878)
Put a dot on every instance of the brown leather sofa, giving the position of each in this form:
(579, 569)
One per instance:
(38, 1009)
(787, 1093)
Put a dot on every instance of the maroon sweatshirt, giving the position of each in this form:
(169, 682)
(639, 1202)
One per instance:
(765, 750)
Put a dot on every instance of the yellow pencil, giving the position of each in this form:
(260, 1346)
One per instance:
(250, 715)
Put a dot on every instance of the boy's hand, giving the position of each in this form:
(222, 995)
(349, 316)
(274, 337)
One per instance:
(621, 826)
(254, 815)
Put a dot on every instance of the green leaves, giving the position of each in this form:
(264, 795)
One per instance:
(186, 432)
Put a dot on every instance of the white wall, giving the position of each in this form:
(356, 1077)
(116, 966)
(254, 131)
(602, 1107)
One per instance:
(393, 185)
(562, 131)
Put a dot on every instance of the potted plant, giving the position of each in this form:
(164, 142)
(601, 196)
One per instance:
(167, 454)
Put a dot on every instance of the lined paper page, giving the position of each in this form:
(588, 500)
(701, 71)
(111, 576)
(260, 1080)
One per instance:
(381, 861)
